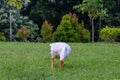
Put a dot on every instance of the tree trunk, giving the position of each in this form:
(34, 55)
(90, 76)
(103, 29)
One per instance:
(10, 25)
(118, 5)
(92, 23)
(99, 25)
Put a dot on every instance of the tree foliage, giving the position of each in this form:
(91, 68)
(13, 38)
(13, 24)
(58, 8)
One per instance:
(94, 8)
(92, 11)
(17, 21)
(113, 18)
(52, 10)
(16, 3)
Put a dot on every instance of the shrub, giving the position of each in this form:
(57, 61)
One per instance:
(109, 34)
(85, 35)
(46, 31)
(23, 33)
(65, 31)
(2, 37)
(76, 26)
(70, 30)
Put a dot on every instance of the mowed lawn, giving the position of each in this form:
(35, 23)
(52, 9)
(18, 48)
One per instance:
(31, 61)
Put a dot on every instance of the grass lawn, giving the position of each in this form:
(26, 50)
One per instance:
(31, 61)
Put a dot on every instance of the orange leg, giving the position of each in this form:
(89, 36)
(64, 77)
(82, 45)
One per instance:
(52, 63)
(61, 63)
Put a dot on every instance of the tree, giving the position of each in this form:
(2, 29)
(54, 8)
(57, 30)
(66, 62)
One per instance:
(52, 10)
(94, 8)
(17, 3)
(113, 18)
(14, 4)
(17, 21)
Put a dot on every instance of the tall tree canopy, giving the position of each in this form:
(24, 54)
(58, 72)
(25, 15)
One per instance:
(94, 8)
(52, 10)
(17, 3)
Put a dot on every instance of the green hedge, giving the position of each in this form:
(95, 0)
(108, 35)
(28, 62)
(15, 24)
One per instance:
(109, 34)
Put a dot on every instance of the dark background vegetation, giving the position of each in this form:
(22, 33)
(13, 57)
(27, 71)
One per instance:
(38, 11)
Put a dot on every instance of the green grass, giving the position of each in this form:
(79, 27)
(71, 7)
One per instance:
(31, 61)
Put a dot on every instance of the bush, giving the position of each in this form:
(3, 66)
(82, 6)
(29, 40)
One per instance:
(46, 31)
(76, 27)
(2, 37)
(85, 35)
(70, 30)
(23, 33)
(109, 34)
(65, 31)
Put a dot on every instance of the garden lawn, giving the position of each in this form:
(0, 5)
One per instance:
(31, 61)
